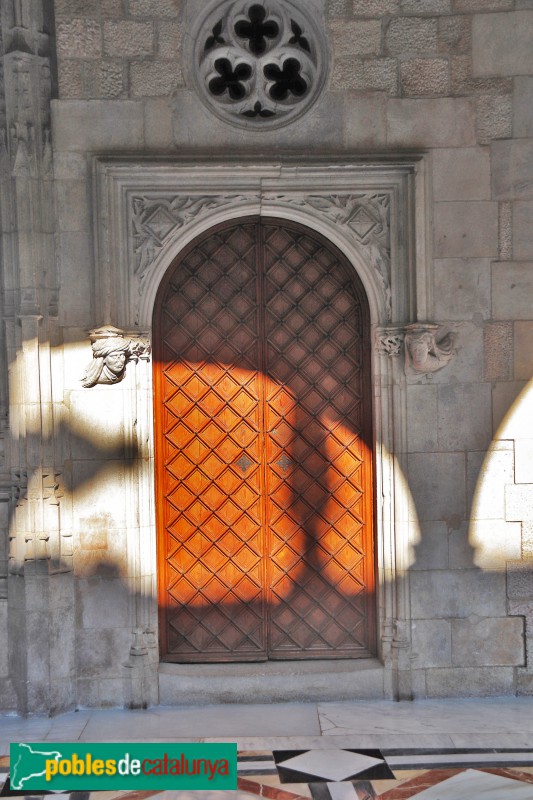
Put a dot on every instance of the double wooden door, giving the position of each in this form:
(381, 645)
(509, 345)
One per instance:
(263, 449)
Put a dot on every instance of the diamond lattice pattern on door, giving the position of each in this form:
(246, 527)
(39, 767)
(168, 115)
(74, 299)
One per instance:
(264, 449)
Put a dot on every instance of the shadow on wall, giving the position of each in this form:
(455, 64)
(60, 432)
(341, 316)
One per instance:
(106, 592)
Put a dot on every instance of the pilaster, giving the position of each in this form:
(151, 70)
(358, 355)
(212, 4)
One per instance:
(38, 587)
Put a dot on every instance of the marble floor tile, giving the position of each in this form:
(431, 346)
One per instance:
(268, 785)
(505, 740)
(343, 791)
(330, 765)
(193, 722)
(9, 721)
(460, 783)
(146, 740)
(26, 736)
(474, 785)
(36, 726)
(486, 722)
(455, 716)
(354, 741)
(293, 742)
(203, 795)
(66, 732)
(414, 740)
(254, 767)
(436, 760)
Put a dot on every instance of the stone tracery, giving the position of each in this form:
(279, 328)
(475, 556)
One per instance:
(259, 65)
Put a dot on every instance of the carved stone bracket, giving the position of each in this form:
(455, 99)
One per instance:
(113, 349)
(425, 351)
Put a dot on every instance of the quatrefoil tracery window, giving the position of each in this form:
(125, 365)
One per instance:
(259, 63)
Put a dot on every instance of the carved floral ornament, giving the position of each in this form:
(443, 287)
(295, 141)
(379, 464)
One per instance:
(259, 64)
(364, 217)
(112, 351)
(427, 346)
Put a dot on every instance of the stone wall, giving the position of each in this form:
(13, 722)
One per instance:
(113, 50)
(449, 80)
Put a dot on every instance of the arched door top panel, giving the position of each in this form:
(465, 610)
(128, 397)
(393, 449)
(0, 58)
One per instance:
(263, 449)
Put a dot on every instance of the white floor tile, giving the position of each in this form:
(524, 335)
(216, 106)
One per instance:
(336, 765)
(342, 791)
(196, 722)
(495, 740)
(474, 785)
(505, 715)
(486, 722)
(355, 741)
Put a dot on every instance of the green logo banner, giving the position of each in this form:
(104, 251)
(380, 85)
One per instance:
(83, 766)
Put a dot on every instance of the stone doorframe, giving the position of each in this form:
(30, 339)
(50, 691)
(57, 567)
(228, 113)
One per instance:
(147, 210)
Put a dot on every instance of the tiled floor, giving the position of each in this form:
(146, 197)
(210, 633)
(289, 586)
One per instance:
(438, 750)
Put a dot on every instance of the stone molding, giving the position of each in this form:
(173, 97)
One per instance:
(6, 492)
(148, 211)
(30, 285)
(366, 217)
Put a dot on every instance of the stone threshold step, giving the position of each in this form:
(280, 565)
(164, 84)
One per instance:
(271, 682)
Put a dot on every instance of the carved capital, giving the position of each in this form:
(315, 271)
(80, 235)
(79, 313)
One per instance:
(112, 350)
(389, 340)
(425, 350)
(401, 637)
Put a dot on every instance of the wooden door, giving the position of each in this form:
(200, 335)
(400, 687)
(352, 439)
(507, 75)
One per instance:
(263, 449)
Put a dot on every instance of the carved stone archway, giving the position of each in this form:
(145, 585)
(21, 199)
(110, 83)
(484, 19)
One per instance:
(149, 211)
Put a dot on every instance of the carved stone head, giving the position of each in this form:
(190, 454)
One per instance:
(111, 353)
(423, 353)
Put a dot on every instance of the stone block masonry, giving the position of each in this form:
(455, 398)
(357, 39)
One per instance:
(439, 89)
(118, 50)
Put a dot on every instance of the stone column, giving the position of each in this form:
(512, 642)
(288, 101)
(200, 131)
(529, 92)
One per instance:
(40, 592)
(394, 577)
(141, 688)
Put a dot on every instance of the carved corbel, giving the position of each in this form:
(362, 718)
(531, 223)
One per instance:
(113, 349)
(425, 351)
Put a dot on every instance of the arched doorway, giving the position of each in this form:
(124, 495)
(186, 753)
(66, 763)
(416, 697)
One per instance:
(263, 449)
